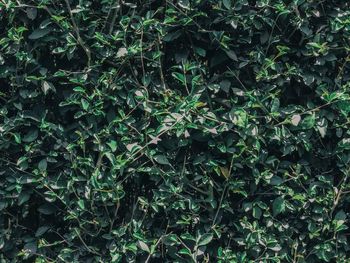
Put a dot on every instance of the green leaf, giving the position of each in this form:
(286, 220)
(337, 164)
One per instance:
(143, 246)
(81, 204)
(227, 3)
(180, 77)
(47, 209)
(184, 4)
(30, 248)
(17, 137)
(31, 13)
(185, 251)
(85, 104)
(113, 145)
(278, 206)
(31, 135)
(257, 212)
(46, 86)
(172, 36)
(205, 239)
(308, 122)
(161, 159)
(79, 89)
(200, 51)
(231, 54)
(41, 230)
(42, 165)
(39, 33)
(23, 197)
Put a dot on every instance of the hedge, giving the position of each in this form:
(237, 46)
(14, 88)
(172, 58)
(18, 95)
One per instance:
(174, 131)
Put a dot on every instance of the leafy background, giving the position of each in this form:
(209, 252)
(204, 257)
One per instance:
(174, 131)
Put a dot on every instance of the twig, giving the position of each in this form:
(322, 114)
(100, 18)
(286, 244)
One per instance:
(83, 242)
(246, 90)
(142, 63)
(114, 17)
(222, 195)
(338, 196)
(79, 39)
(150, 254)
(114, 216)
(160, 65)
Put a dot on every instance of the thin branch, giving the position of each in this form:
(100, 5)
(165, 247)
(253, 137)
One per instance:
(79, 39)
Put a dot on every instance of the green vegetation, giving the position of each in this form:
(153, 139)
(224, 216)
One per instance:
(174, 131)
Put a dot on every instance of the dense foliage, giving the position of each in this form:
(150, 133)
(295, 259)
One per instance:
(174, 131)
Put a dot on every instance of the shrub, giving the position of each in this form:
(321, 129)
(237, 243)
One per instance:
(174, 131)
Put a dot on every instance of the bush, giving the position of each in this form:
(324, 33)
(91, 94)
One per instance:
(174, 131)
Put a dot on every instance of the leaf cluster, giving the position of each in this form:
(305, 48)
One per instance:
(174, 131)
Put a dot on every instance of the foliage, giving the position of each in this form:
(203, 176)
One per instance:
(174, 131)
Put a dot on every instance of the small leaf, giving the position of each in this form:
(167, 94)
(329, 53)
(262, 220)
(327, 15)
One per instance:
(31, 135)
(39, 33)
(154, 140)
(42, 165)
(275, 105)
(180, 77)
(238, 92)
(185, 251)
(213, 130)
(295, 119)
(184, 4)
(308, 122)
(278, 206)
(122, 52)
(23, 197)
(227, 3)
(200, 51)
(113, 145)
(17, 137)
(225, 171)
(79, 89)
(322, 125)
(231, 54)
(161, 159)
(322, 131)
(85, 104)
(41, 230)
(47, 209)
(132, 147)
(46, 86)
(81, 204)
(205, 239)
(142, 245)
(172, 36)
(31, 13)
(30, 248)
(276, 248)
(264, 37)
(257, 212)
(340, 216)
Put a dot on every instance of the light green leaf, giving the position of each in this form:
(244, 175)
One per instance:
(205, 239)
(161, 159)
(308, 122)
